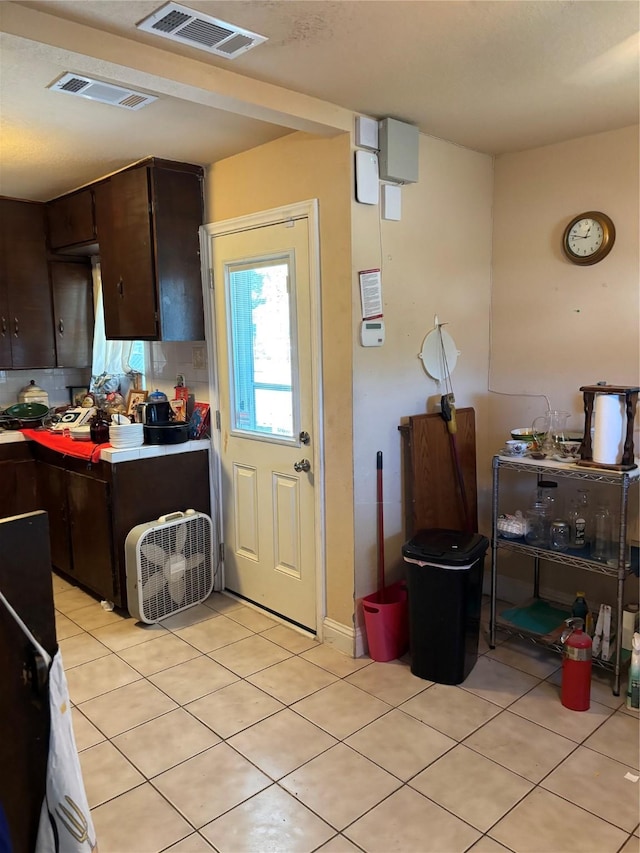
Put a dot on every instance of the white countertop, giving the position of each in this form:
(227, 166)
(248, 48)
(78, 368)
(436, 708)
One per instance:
(110, 454)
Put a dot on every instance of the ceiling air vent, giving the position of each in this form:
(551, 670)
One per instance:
(106, 93)
(187, 26)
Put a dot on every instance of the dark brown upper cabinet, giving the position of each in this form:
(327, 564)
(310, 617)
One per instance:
(71, 223)
(26, 317)
(147, 220)
(71, 284)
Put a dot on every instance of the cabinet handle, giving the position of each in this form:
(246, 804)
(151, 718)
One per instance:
(61, 326)
(16, 328)
(120, 286)
(3, 326)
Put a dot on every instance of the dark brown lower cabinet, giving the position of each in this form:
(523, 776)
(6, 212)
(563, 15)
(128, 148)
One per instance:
(17, 480)
(93, 507)
(79, 509)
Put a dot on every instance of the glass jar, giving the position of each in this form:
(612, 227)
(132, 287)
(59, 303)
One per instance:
(537, 525)
(560, 535)
(548, 496)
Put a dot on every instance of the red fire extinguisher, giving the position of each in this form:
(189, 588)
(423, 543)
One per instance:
(575, 693)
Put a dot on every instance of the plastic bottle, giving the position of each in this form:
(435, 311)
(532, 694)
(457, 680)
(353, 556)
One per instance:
(580, 610)
(633, 691)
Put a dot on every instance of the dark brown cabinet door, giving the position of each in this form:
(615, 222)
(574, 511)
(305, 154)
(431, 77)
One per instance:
(5, 339)
(73, 313)
(177, 216)
(17, 480)
(28, 323)
(127, 264)
(90, 524)
(70, 220)
(147, 221)
(52, 493)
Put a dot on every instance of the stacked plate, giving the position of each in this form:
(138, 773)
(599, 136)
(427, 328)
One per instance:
(126, 436)
(81, 433)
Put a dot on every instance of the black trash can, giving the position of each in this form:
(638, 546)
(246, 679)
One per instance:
(444, 571)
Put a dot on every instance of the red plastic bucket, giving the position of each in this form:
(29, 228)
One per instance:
(386, 619)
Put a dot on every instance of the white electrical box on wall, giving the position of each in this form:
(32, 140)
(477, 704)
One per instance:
(366, 132)
(399, 148)
(391, 202)
(366, 177)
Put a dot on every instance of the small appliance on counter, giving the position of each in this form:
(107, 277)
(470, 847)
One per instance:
(155, 412)
(171, 433)
(32, 393)
(73, 417)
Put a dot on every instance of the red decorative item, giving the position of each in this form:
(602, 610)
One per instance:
(575, 692)
(199, 421)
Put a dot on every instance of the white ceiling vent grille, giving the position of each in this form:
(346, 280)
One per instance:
(96, 90)
(187, 26)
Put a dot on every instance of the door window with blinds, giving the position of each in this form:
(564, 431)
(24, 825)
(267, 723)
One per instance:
(261, 313)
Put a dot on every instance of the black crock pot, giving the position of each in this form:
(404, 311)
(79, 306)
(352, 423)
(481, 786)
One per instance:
(166, 433)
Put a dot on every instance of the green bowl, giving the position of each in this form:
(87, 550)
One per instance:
(26, 411)
(522, 434)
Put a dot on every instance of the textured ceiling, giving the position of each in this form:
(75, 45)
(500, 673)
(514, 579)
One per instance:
(492, 76)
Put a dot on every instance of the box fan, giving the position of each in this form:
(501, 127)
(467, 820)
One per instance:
(169, 565)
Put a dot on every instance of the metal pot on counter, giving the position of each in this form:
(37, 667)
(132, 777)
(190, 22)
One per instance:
(23, 415)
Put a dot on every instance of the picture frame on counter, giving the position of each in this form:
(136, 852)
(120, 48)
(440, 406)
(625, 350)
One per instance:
(134, 398)
(77, 393)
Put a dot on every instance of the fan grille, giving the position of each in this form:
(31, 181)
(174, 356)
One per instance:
(174, 567)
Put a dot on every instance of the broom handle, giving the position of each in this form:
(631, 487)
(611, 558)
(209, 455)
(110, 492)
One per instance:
(380, 525)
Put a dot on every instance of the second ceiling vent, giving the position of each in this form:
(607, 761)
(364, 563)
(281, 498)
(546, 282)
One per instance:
(187, 26)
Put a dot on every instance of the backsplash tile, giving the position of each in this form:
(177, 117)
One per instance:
(169, 358)
(166, 359)
(54, 381)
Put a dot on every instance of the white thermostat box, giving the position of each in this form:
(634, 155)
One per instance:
(372, 333)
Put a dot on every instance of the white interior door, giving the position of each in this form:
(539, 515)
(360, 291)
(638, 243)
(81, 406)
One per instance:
(265, 396)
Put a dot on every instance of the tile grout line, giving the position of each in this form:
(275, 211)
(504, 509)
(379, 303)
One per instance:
(341, 740)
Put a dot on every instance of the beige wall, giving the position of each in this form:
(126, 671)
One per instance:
(553, 326)
(436, 260)
(557, 326)
(296, 168)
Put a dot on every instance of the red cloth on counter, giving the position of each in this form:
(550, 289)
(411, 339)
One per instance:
(65, 445)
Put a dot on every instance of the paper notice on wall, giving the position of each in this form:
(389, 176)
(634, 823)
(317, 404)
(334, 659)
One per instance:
(371, 294)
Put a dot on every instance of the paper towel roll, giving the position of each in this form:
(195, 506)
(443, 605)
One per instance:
(629, 624)
(610, 429)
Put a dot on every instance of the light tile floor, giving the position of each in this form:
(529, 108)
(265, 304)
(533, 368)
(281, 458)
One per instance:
(221, 729)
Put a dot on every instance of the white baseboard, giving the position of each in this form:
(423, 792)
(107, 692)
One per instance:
(362, 648)
(340, 637)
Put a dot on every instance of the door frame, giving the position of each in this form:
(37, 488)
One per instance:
(300, 210)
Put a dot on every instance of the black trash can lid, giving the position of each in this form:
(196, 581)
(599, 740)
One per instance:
(450, 547)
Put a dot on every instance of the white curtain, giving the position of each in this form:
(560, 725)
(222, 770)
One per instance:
(109, 357)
